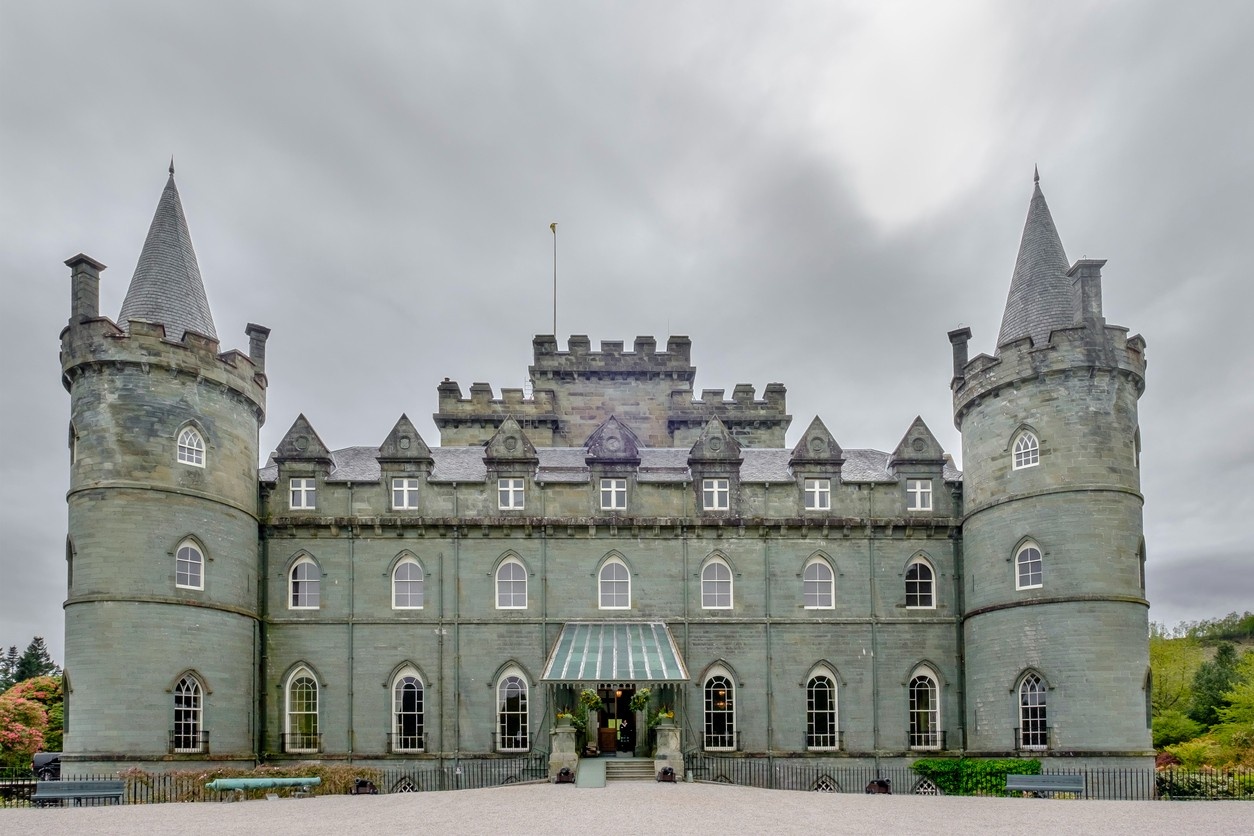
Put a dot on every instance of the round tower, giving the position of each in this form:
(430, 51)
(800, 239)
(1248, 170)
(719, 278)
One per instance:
(1055, 621)
(162, 604)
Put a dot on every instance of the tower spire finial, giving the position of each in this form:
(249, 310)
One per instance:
(171, 165)
(1036, 171)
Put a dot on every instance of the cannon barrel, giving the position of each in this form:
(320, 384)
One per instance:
(260, 783)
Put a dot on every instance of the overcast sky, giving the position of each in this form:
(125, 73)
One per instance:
(815, 193)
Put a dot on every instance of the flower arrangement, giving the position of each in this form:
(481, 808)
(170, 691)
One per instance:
(565, 714)
(665, 714)
(590, 700)
(640, 700)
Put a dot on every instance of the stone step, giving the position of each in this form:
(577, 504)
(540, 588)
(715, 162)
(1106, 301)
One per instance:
(634, 769)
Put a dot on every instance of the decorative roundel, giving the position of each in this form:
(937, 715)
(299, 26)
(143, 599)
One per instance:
(511, 443)
(301, 442)
(613, 444)
(919, 445)
(818, 446)
(716, 444)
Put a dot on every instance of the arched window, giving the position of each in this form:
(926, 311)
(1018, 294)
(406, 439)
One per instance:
(191, 447)
(1027, 450)
(1033, 722)
(302, 733)
(408, 734)
(818, 585)
(720, 713)
(822, 731)
(305, 582)
(511, 585)
(188, 735)
(189, 566)
(716, 585)
(407, 584)
(1028, 567)
(511, 714)
(615, 585)
(920, 585)
(925, 732)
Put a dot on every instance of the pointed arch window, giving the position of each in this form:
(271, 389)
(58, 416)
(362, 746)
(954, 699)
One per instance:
(716, 585)
(512, 719)
(720, 713)
(920, 585)
(822, 730)
(1027, 450)
(407, 585)
(305, 585)
(408, 730)
(818, 584)
(614, 584)
(511, 585)
(1033, 719)
(188, 735)
(301, 717)
(191, 447)
(925, 731)
(1029, 567)
(189, 566)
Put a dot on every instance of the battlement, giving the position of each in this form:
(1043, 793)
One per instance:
(754, 423)
(580, 361)
(473, 420)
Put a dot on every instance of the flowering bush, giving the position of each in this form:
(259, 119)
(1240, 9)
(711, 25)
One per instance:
(22, 726)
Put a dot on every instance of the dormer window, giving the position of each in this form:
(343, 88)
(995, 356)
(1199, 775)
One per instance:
(509, 494)
(613, 494)
(918, 494)
(304, 494)
(715, 494)
(191, 448)
(818, 494)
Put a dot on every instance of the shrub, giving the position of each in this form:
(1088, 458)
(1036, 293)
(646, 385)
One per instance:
(1175, 727)
(973, 776)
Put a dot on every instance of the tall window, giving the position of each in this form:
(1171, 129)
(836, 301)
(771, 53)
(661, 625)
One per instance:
(615, 586)
(304, 494)
(407, 584)
(920, 594)
(188, 716)
(509, 493)
(821, 729)
(715, 493)
(511, 585)
(818, 585)
(407, 717)
(1028, 567)
(918, 494)
(189, 565)
(924, 713)
(1027, 450)
(511, 715)
(305, 582)
(613, 494)
(404, 494)
(191, 448)
(818, 494)
(1033, 725)
(302, 713)
(716, 586)
(720, 713)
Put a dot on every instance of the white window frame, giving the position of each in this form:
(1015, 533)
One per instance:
(303, 493)
(614, 585)
(919, 494)
(189, 557)
(1026, 450)
(511, 494)
(815, 587)
(716, 494)
(294, 711)
(512, 684)
(711, 591)
(719, 736)
(930, 583)
(191, 447)
(189, 708)
(510, 593)
(1028, 576)
(404, 493)
(819, 715)
(408, 735)
(818, 494)
(1033, 713)
(304, 584)
(924, 726)
(613, 494)
(403, 588)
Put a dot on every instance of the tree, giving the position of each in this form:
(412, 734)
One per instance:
(8, 668)
(1211, 684)
(1174, 663)
(1235, 730)
(22, 725)
(35, 661)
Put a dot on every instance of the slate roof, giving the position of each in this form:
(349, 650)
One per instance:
(1040, 292)
(166, 287)
(566, 464)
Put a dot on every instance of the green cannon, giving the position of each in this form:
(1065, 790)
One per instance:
(260, 783)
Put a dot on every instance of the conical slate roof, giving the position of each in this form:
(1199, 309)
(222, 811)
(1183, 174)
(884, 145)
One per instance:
(1040, 292)
(167, 287)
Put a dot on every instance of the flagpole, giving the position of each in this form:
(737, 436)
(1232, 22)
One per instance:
(553, 229)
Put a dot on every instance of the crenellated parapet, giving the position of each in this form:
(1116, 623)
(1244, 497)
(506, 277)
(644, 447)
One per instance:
(579, 361)
(754, 422)
(465, 421)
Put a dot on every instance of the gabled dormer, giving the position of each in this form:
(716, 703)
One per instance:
(510, 460)
(815, 464)
(715, 464)
(302, 444)
(918, 463)
(304, 464)
(613, 443)
(404, 449)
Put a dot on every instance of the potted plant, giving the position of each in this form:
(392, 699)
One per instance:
(565, 718)
(640, 700)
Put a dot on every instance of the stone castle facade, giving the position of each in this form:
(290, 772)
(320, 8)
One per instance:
(609, 531)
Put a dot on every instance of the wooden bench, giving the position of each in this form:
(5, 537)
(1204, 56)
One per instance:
(1045, 783)
(50, 791)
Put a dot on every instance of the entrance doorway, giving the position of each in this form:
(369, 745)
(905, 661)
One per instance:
(616, 722)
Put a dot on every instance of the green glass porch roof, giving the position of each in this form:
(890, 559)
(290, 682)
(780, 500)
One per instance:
(615, 651)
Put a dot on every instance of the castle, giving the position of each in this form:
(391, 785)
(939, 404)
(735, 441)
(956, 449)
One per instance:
(610, 531)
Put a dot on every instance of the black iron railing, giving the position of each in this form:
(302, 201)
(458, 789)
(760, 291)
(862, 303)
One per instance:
(188, 743)
(406, 743)
(301, 742)
(511, 743)
(825, 741)
(926, 740)
(1032, 740)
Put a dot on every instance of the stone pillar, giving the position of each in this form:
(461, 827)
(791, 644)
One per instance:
(563, 753)
(668, 753)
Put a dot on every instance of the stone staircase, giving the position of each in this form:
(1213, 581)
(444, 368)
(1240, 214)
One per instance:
(629, 769)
